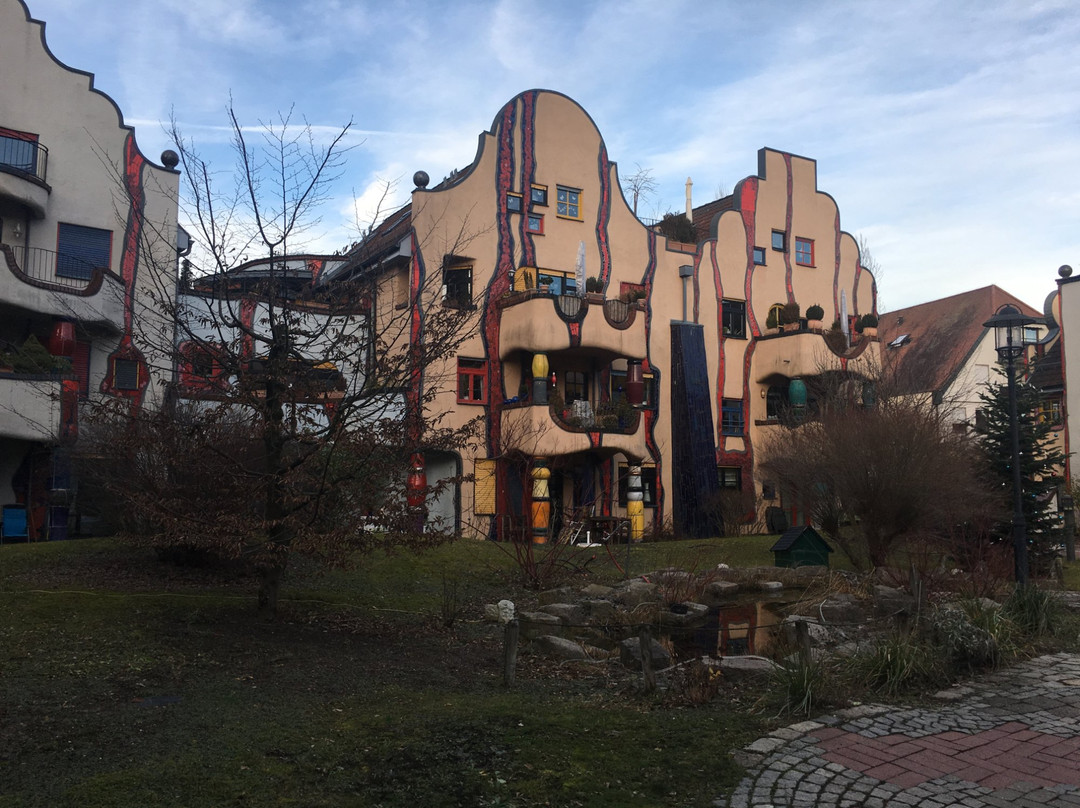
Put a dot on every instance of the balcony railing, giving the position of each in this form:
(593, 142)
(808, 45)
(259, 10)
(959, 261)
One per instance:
(27, 158)
(46, 269)
(585, 416)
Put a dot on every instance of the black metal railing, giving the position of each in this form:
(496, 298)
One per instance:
(26, 157)
(45, 267)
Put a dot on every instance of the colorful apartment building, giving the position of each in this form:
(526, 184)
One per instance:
(617, 374)
(88, 233)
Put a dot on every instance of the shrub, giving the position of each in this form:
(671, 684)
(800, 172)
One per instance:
(790, 314)
(966, 645)
(799, 684)
(897, 664)
(1035, 611)
(594, 285)
(815, 312)
(677, 227)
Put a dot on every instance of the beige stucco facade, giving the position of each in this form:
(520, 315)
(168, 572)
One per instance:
(88, 233)
(541, 204)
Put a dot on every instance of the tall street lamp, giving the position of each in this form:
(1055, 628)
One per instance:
(1008, 323)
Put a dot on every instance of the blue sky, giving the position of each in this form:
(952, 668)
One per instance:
(948, 132)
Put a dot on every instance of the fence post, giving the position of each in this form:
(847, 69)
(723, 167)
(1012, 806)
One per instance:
(510, 649)
(802, 641)
(648, 676)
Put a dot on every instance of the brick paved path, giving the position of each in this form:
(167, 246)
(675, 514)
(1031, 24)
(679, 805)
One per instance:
(1008, 739)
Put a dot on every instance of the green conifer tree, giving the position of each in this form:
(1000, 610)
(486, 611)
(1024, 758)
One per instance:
(1040, 462)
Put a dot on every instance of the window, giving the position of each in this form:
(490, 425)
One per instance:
(19, 151)
(200, 366)
(779, 240)
(730, 478)
(1050, 411)
(514, 202)
(535, 224)
(776, 313)
(1031, 334)
(577, 386)
(804, 252)
(80, 250)
(733, 318)
(558, 283)
(648, 485)
(731, 417)
(568, 202)
(471, 381)
(538, 195)
(775, 402)
(457, 282)
(126, 374)
(759, 256)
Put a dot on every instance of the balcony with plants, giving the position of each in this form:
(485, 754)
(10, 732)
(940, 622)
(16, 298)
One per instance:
(546, 306)
(38, 393)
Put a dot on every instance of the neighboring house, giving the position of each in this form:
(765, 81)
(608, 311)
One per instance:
(615, 373)
(1058, 371)
(941, 349)
(87, 232)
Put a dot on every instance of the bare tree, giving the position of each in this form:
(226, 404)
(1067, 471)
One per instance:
(889, 462)
(296, 408)
(641, 184)
(868, 262)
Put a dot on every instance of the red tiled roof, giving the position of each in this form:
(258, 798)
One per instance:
(941, 335)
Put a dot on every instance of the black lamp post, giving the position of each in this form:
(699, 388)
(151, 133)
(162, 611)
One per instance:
(1008, 323)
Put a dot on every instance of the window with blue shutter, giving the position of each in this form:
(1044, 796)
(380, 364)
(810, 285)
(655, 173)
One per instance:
(80, 250)
(126, 374)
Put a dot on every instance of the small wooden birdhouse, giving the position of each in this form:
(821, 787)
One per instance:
(801, 546)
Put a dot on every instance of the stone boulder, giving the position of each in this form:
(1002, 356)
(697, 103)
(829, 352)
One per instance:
(560, 595)
(597, 591)
(843, 610)
(718, 592)
(535, 624)
(684, 615)
(559, 647)
(571, 614)
(635, 592)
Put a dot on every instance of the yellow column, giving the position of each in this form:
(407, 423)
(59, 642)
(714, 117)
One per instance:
(540, 369)
(541, 502)
(635, 504)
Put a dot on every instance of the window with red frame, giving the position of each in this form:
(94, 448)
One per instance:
(200, 367)
(804, 252)
(472, 381)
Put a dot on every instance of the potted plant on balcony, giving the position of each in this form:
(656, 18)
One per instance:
(33, 357)
(594, 290)
(789, 316)
(814, 316)
(835, 338)
(867, 325)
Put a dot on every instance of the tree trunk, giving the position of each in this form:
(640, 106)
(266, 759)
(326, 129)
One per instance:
(269, 587)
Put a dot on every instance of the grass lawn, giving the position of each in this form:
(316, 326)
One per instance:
(124, 682)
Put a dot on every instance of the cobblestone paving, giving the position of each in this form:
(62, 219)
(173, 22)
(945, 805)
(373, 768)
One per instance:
(1008, 739)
